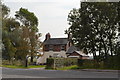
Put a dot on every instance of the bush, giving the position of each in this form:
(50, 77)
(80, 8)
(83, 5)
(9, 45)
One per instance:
(87, 63)
(112, 63)
(54, 63)
(70, 61)
(6, 62)
(50, 63)
(80, 62)
(15, 62)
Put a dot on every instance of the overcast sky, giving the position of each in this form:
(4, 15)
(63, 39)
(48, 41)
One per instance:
(52, 14)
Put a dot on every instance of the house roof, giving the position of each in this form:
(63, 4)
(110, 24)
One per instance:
(55, 41)
(72, 49)
(75, 49)
(81, 53)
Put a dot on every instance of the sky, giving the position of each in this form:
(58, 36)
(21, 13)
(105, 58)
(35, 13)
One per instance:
(52, 14)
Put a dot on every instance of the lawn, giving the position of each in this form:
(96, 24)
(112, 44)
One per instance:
(30, 66)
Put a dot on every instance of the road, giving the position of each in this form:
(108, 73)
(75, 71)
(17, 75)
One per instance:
(41, 73)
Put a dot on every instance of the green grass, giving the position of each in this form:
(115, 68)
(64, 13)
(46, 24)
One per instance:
(73, 67)
(101, 68)
(12, 66)
(36, 66)
(30, 66)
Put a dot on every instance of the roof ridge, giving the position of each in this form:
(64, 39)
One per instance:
(56, 41)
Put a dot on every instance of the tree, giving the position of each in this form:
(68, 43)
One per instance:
(12, 37)
(5, 11)
(94, 28)
(29, 20)
(20, 38)
(9, 49)
(8, 25)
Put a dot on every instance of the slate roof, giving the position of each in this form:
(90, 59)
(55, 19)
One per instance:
(56, 41)
(72, 49)
(75, 49)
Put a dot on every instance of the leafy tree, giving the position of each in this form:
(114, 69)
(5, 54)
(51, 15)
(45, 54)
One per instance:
(8, 25)
(9, 49)
(20, 38)
(29, 20)
(94, 28)
(5, 11)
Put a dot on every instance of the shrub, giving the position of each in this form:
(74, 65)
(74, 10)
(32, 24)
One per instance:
(50, 63)
(70, 61)
(6, 62)
(87, 63)
(54, 63)
(15, 62)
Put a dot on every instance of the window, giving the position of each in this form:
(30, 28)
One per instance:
(51, 47)
(46, 48)
(56, 47)
(62, 47)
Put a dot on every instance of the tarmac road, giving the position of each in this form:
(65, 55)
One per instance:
(41, 73)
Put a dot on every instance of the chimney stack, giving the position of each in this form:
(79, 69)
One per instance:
(47, 36)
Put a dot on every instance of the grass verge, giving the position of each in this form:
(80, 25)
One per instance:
(30, 66)
(73, 67)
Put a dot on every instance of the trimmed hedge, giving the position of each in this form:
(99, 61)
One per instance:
(87, 63)
(50, 63)
(70, 61)
(54, 63)
(93, 64)
(112, 63)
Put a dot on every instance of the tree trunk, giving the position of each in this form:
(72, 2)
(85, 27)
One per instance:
(26, 63)
(111, 47)
(105, 50)
(100, 49)
(93, 50)
(31, 58)
(106, 55)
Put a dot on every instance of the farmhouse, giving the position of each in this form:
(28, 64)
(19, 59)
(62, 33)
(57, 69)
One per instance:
(59, 47)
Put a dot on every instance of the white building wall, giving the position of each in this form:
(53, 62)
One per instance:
(51, 53)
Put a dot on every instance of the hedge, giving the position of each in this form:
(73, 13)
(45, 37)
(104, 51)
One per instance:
(53, 63)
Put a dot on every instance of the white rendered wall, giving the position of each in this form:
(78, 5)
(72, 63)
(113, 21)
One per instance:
(51, 53)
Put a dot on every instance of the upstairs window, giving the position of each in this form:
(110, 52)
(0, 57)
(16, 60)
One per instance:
(50, 47)
(56, 48)
(63, 47)
(46, 48)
